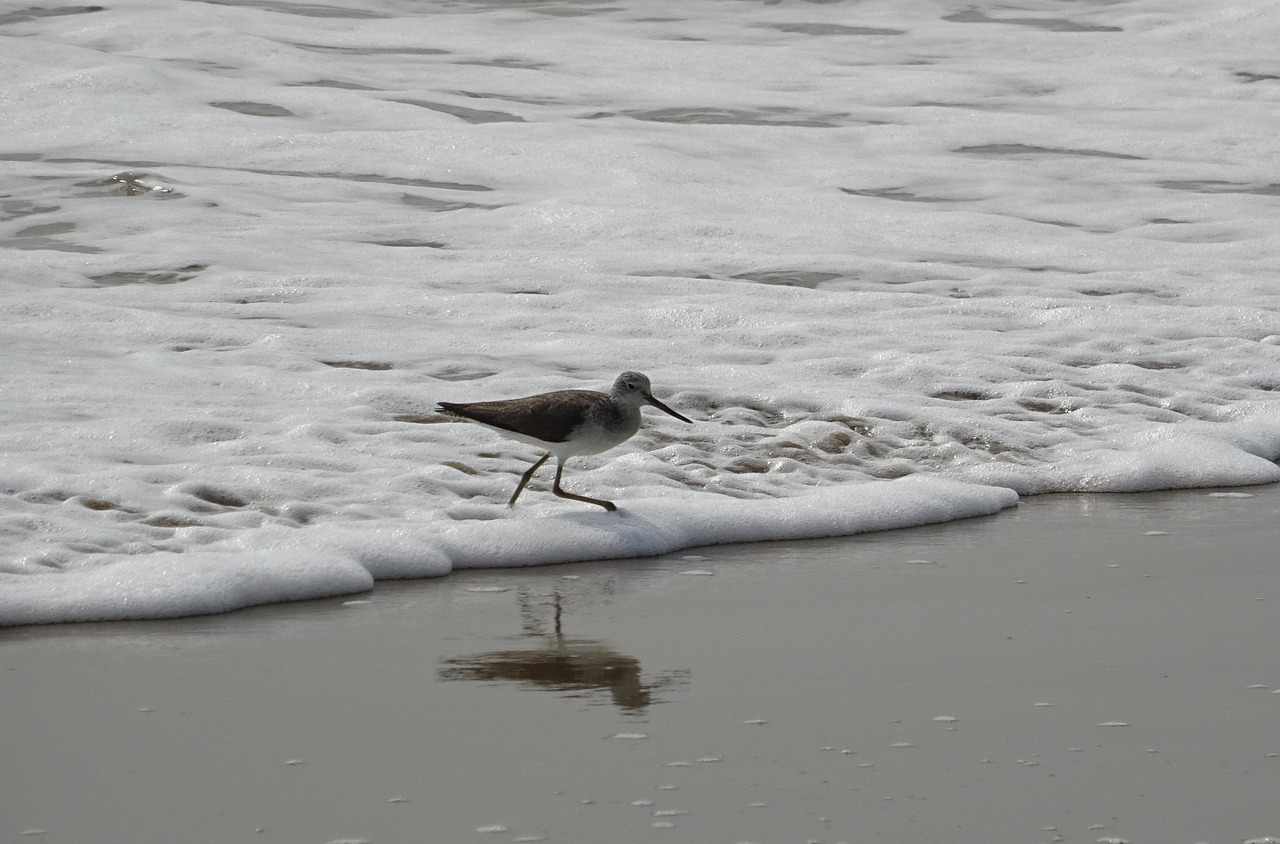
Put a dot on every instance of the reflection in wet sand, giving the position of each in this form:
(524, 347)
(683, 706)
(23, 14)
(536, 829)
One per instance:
(563, 665)
(566, 664)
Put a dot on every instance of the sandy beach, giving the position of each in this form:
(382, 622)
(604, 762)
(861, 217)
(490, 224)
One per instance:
(1079, 669)
(890, 263)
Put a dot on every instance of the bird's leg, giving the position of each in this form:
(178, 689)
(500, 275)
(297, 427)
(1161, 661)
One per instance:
(608, 505)
(524, 481)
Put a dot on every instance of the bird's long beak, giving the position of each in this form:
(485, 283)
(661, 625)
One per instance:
(666, 409)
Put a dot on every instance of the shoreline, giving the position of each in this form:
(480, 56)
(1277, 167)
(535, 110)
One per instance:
(1079, 668)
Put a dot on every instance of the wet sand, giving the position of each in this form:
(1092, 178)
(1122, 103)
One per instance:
(1080, 669)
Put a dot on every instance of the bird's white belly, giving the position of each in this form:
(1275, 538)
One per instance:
(593, 440)
(590, 441)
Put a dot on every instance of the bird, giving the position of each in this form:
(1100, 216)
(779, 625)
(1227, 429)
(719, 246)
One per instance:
(567, 423)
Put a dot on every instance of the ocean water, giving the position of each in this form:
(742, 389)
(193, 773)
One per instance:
(902, 261)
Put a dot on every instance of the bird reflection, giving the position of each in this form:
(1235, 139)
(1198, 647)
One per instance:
(562, 664)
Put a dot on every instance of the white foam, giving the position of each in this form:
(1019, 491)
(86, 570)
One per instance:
(244, 253)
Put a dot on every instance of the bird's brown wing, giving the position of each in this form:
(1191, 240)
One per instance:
(550, 417)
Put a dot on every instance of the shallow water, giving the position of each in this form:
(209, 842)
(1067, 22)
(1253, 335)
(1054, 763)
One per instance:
(1083, 668)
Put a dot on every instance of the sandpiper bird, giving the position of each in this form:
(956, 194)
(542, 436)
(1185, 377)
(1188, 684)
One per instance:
(567, 423)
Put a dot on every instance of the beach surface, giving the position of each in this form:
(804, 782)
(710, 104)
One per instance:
(1082, 668)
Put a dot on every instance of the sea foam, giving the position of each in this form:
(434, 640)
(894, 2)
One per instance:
(900, 262)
